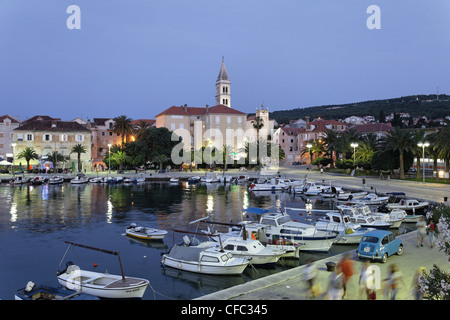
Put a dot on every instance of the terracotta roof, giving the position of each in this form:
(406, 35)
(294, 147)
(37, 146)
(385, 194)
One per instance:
(293, 131)
(372, 127)
(52, 126)
(7, 116)
(40, 118)
(101, 121)
(148, 121)
(196, 111)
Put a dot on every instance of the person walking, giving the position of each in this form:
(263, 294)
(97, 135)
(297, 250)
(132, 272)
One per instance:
(309, 276)
(367, 282)
(418, 295)
(335, 284)
(395, 277)
(346, 266)
(421, 227)
(431, 232)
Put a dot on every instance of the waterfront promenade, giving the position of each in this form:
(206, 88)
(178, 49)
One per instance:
(288, 285)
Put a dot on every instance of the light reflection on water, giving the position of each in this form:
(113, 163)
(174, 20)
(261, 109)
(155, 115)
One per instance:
(36, 220)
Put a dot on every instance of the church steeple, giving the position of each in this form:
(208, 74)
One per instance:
(223, 84)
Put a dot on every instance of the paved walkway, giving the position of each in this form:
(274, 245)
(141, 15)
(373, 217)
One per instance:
(287, 285)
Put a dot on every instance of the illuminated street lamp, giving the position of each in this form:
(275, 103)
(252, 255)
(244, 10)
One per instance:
(309, 146)
(423, 145)
(109, 158)
(354, 145)
(13, 145)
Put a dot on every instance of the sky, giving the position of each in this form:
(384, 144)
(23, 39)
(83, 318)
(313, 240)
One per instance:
(140, 57)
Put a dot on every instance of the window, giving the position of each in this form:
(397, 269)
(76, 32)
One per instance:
(103, 133)
(30, 137)
(217, 119)
(79, 138)
(47, 137)
(242, 248)
(63, 137)
(229, 247)
(20, 137)
(228, 119)
(385, 241)
(239, 120)
(172, 126)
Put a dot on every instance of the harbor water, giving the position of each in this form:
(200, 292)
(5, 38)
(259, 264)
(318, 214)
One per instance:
(35, 222)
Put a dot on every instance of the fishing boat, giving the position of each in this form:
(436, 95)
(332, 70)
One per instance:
(363, 215)
(348, 196)
(20, 180)
(408, 204)
(371, 199)
(43, 292)
(273, 184)
(145, 233)
(96, 180)
(280, 228)
(55, 180)
(348, 232)
(174, 180)
(79, 179)
(210, 260)
(102, 285)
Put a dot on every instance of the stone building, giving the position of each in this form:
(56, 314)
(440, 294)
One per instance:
(7, 125)
(45, 135)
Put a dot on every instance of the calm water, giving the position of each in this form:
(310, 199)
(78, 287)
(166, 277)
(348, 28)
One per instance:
(35, 222)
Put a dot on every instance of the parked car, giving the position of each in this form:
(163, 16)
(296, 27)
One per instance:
(379, 245)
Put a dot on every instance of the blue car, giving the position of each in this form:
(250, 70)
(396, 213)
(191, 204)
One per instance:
(379, 245)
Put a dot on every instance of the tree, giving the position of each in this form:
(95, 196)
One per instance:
(257, 124)
(418, 136)
(79, 149)
(160, 159)
(123, 127)
(331, 141)
(399, 140)
(55, 157)
(120, 157)
(28, 154)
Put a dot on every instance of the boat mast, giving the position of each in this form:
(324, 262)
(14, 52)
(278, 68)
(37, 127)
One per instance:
(116, 253)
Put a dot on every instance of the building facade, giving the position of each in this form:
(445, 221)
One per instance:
(46, 135)
(7, 125)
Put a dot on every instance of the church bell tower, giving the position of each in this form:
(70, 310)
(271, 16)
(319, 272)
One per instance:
(223, 86)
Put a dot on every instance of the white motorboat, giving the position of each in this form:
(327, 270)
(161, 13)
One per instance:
(412, 218)
(251, 249)
(348, 232)
(195, 179)
(96, 180)
(174, 180)
(363, 215)
(204, 260)
(103, 285)
(348, 196)
(408, 204)
(314, 189)
(370, 199)
(56, 180)
(20, 180)
(280, 227)
(79, 179)
(274, 184)
(145, 233)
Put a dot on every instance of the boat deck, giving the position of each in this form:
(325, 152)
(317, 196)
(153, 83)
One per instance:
(126, 283)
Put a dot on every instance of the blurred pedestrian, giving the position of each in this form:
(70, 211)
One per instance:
(395, 277)
(421, 227)
(309, 276)
(367, 282)
(418, 295)
(431, 232)
(346, 266)
(335, 284)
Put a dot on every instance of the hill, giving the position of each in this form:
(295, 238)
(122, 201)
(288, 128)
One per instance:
(418, 105)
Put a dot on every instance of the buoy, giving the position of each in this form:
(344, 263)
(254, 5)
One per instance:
(95, 265)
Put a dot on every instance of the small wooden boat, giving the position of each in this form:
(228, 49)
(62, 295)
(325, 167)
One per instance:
(102, 285)
(204, 260)
(43, 292)
(145, 233)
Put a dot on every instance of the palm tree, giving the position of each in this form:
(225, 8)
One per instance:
(123, 127)
(140, 129)
(55, 157)
(399, 140)
(79, 149)
(159, 158)
(28, 154)
(228, 152)
(419, 136)
(443, 144)
(331, 140)
(120, 157)
(258, 123)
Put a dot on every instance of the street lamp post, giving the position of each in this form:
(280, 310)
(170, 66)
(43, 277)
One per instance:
(309, 146)
(354, 145)
(109, 159)
(13, 145)
(423, 145)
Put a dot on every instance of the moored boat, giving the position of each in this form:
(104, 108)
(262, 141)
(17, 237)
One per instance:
(145, 233)
(43, 292)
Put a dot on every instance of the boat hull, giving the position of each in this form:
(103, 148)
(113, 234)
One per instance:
(204, 268)
(103, 285)
(142, 236)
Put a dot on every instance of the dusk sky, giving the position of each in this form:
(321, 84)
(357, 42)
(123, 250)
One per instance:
(139, 57)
